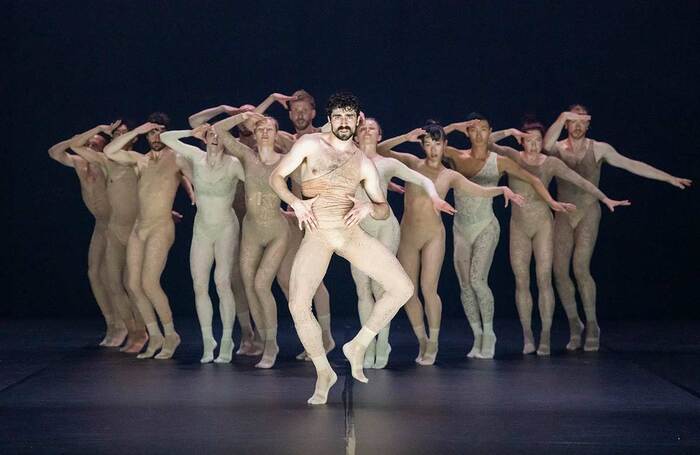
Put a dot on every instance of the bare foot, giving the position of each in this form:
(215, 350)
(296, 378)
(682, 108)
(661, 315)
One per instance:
(324, 381)
(355, 355)
(170, 343)
(592, 337)
(575, 331)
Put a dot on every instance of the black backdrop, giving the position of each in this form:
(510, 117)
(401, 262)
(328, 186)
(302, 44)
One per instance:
(635, 64)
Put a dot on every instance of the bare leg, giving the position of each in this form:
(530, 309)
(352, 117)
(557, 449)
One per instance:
(432, 257)
(222, 278)
(96, 275)
(542, 245)
(585, 236)
(482, 256)
(520, 254)
(462, 263)
(264, 276)
(409, 257)
(563, 250)
(201, 261)
(310, 265)
(156, 251)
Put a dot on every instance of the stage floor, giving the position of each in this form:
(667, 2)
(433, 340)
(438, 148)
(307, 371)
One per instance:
(59, 393)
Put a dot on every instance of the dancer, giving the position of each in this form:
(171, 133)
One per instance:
(302, 111)
(422, 246)
(332, 168)
(532, 227)
(575, 234)
(159, 174)
(93, 187)
(123, 198)
(476, 229)
(215, 234)
(386, 231)
(265, 232)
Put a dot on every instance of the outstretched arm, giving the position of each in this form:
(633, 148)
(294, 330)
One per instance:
(563, 171)
(612, 157)
(511, 168)
(400, 170)
(461, 183)
(280, 98)
(278, 181)
(502, 150)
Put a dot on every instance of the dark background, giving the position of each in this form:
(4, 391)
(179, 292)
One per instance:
(71, 65)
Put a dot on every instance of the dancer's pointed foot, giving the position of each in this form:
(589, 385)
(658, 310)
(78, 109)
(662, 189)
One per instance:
(575, 331)
(226, 351)
(355, 355)
(155, 342)
(324, 381)
(422, 343)
(135, 341)
(170, 343)
(269, 355)
(382, 356)
(488, 346)
(592, 337)
(431, 350)
(208, 354)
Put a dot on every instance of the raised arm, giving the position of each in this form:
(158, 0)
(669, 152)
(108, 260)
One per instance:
(563, 171)
(115, 150)
(612, 157)
(511, 168)
(552, 136)
(59, 152)
(233, 146)
(172, 140)
(503, 150)
(384, 148)
(280, 98)
(278, 181)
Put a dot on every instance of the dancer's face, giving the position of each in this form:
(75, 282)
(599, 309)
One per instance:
(301, 114)
(212, 141)
(479, 132)
(533, 142)
(265, 132)
(578, 128)
(368, 133)
(96, 143)
(153, 138)
(343, 123)
(434, 149)
(121, 129)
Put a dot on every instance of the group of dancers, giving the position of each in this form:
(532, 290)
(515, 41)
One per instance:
(334, 182)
